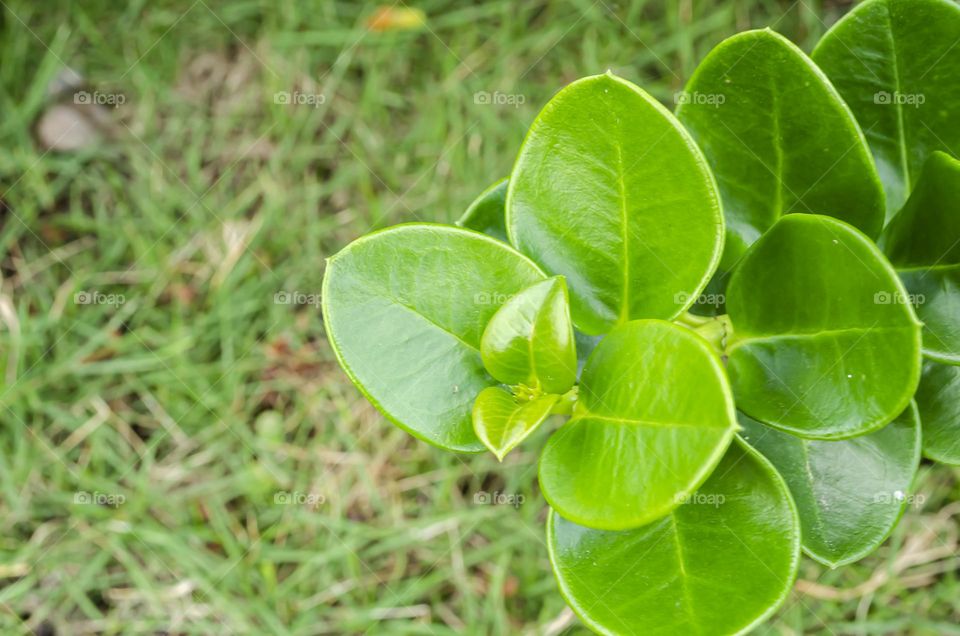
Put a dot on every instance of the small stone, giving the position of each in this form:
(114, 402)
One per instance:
(72, 127)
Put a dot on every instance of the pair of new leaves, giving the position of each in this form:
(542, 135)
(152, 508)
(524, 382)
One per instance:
(529, 346)
(611, 192)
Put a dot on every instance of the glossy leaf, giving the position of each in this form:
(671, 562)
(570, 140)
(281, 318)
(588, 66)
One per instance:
(938, 399)
(502, 422)
(779, 140)
(896, 62)
(611, 192)
(849, 493)
(404, 310)
(529, 340)
(923, 243)
(816, 349)
(486, 213)
(719, 564)
(654, 417)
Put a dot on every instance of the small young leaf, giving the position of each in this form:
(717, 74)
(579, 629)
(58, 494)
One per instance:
(404, 310)
(654, 416)
(850, 493)
(818, 348)
(611, 192)
(719, 564)
(486, 213)
(923, 243)
(779, 140)
(529, 340)
(501, 422)
(895, 62)
(938, 399)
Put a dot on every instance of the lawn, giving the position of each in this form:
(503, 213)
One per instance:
(180, 453)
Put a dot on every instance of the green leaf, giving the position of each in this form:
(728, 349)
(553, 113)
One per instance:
(779, 140)
(502, 422)
(719, 564)
(529, 340)
(896, 62)
(486, 213)
(938, 399)
(654, 417)
(923, 243)
(585, 346)
(404, 310)
(849, 493)
(611, 192)
(816, 351)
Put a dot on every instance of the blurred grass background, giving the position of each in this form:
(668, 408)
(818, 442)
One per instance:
(179, 452)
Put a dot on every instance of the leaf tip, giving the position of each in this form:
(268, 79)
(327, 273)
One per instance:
(497, 452)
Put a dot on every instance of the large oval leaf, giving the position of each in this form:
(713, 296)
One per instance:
(938, 399)
(849, 493)
(529, 341)
(719, 564)
(486, 213)
(816, 351)
(653, 418)
(779, 140)
(501, 421)
(923, 243)
(404, 310)
(897, 63)
(611, 192)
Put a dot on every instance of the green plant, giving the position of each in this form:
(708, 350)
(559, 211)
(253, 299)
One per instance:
(710, 435)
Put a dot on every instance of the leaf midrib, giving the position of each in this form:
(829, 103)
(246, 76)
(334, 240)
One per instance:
(681, 563)
(625, 231)
(777, 149)
(585, 414)
(901, 127)
(814, 334)
(811, 486)
(432, 322)
(510, 425)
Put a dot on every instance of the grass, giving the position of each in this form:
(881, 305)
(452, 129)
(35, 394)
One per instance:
(197, 407)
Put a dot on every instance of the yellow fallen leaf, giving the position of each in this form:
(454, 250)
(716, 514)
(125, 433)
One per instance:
(396, 19)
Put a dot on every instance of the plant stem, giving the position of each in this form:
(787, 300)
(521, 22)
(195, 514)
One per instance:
(718, 331)
(692, 320)
(565, 404)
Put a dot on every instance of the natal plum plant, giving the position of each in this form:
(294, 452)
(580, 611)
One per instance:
(818, 201)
